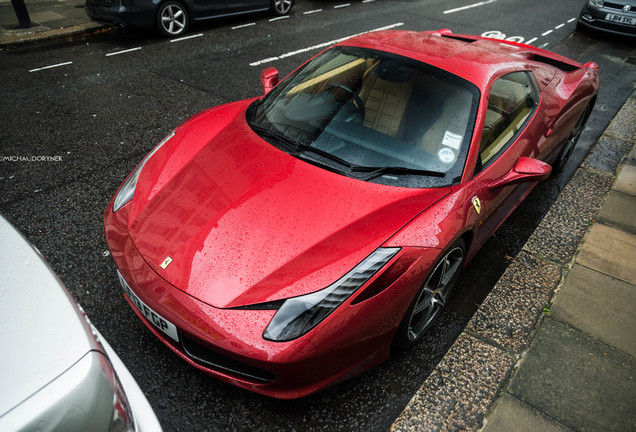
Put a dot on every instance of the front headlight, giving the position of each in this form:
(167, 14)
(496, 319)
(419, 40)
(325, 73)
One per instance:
(298, 315)
(127, 189)
(596, 3)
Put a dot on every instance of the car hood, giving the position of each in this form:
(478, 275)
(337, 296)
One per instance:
(243, 222)
(42, 333)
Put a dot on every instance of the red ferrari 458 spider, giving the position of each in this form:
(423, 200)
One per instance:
(284, 243)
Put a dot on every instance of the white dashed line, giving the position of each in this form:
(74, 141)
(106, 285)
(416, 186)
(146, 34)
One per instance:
(342, 6)
(474, 5)
(312, 11)
(546, 33)
(51, 66)
(279, 18)
(243, 26)
(559, 26)
(186, 38)
(530, 41)
(368, 1)
(322, 45)
(123, 52)
(571, 19)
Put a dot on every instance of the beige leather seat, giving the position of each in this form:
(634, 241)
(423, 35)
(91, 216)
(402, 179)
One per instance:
(384, 103)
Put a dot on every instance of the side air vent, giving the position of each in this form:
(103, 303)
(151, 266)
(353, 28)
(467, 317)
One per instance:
(459, 38)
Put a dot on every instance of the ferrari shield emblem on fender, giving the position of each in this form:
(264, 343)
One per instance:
(168, 260)
(477, 204)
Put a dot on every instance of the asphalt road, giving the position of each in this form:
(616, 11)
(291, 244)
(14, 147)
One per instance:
(98, 105)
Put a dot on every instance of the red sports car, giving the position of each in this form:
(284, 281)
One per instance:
(284, 243)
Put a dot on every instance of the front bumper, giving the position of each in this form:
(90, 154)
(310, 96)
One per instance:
(228, 343)
(596, 18)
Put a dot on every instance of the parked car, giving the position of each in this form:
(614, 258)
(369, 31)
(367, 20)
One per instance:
(173, 17)
(615, 16)
(58, 373)
(285, 243)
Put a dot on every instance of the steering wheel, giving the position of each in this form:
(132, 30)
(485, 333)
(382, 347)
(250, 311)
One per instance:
(357, 102)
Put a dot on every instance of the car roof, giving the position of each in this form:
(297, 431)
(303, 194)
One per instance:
(473, 58)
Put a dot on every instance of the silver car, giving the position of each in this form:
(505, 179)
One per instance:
(614, 16)
(57, 372)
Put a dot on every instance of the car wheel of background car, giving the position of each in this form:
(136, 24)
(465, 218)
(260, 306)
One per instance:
(432, 296)
(281, 7)
(172, 19)
(572, 140)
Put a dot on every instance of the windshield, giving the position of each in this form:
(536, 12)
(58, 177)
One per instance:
(372, 115)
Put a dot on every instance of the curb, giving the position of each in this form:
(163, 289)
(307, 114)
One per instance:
(472, 376)
(57, 33)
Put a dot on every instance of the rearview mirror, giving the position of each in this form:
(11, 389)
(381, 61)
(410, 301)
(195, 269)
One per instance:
(269, 79)
(525, 170)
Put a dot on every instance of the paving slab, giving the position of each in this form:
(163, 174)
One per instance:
(623, 125)
(600, 306)
(626, 181)
(610, 251)
(619, 211)
(573, 379)
(513, 415)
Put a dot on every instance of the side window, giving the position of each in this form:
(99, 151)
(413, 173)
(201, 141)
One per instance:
(509, 106)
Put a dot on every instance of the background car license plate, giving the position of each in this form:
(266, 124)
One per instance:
(621, 19)
(160, 322)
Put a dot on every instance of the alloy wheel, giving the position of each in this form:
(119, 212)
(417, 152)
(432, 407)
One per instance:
(435, 293)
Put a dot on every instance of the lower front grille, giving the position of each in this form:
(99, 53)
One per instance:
(210, 358)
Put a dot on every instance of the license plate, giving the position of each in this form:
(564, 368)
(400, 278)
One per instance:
(157, 320)
(621, 19)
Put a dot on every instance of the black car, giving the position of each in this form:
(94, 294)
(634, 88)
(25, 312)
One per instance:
(615, 16)
(172, 17)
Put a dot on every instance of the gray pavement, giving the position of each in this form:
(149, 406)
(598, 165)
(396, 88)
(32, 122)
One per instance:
(50, 19)
(552, 347)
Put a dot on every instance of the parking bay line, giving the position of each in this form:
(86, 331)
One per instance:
(51, 66)
(186, 37)
(468, 6)
(123, 52)
(322, 45)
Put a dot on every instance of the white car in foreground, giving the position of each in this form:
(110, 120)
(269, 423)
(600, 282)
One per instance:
(57, 372)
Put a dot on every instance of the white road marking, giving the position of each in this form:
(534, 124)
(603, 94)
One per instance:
(531, 40)
(546, 33)
(544, 45)
(243, 26)
(571, 19)
(123, 52)
(342, 6)
(279, 18)
(186, 37)
(368, 1)
(474, 5)
(312, 11)
(51, 66)
(559, 26)
(322, 45)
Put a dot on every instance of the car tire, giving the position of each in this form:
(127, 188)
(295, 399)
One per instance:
(281, 7)
(431, 297)
(570, 144)
(172, 19)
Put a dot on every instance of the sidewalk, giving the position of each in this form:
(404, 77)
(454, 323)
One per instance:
(50, 19)
(552, 347)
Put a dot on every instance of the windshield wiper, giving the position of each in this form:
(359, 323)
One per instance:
(287, 143)
(374, 172)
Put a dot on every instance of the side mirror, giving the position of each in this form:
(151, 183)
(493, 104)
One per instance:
(525, 170)
(269, 79)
